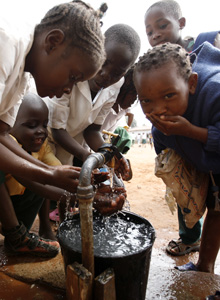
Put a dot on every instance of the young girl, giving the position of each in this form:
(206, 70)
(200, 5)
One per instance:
(184, 109)
(66, 47)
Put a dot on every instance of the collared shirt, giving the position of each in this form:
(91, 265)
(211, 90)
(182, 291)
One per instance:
(76, 111)
(14, 46)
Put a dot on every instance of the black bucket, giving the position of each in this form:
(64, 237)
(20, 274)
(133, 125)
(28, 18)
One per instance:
(131, 269)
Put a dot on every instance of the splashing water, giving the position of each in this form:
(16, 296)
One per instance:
(113, 236)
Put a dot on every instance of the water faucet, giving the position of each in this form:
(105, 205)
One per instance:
(85, 196)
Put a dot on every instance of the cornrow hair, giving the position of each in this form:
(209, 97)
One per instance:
(125, 34)
(128, 85)
(160, 55)
(171, 7)
(80, 24)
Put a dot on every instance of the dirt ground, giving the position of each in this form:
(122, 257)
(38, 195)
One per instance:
(146, 191)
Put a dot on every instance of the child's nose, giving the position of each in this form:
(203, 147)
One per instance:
(159, 109)
(156, 35)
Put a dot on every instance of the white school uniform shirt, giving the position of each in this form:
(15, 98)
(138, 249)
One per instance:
(14, 82)
(76, 111)
(113, 119)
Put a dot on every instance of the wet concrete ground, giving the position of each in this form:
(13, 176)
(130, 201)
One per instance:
(39, 279)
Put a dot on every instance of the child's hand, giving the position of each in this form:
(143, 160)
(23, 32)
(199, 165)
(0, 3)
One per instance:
(123, 168)
(66, 177)
(98, 176)
(171, 125)
(107, 201)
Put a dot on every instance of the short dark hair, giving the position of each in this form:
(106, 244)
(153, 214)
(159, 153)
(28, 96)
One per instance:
(162, 54)
(126, 35)
(171, 7)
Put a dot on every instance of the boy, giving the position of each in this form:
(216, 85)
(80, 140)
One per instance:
(77, 118)
(30, 131)
(164, 23)
(184, 109)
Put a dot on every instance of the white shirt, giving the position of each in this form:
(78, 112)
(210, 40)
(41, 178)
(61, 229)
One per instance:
(14, 46)
(76, 111)
(113, 119)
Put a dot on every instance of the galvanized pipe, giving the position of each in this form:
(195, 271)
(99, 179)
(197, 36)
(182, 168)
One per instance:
(85, 196)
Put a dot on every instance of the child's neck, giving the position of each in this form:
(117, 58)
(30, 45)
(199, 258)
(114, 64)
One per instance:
(93, 95)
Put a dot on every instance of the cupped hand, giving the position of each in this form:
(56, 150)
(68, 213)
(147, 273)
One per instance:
(122, 168)
(99, 176)
(108, 201)
(171, 125)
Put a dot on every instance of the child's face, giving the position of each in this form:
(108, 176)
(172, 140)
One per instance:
(119, 59)
(56, 73)
(161, 27)
(30, 128)
(164, 91)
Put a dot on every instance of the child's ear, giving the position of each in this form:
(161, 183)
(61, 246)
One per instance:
(182, 23)
(54, 38)
(193, 79)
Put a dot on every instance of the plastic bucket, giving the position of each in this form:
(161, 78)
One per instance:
(131, 269)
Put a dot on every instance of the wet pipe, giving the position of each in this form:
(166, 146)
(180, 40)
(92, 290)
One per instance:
(85, 196)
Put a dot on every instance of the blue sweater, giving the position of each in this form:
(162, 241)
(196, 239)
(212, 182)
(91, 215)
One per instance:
(203, 111)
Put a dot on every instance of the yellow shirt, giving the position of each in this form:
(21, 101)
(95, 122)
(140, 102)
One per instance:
(45, 155)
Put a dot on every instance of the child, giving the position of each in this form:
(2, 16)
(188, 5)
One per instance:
(184, 109)
(30, 131)
(122, 108)
(77, 118)
(164, 23)
(66, 47)
(122, 105)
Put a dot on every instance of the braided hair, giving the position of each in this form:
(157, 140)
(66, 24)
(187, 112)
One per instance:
(80, 24)
(125, 34)
(160, 55)
(171, 7)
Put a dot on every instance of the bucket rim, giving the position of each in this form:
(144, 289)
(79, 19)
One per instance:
(152, 237)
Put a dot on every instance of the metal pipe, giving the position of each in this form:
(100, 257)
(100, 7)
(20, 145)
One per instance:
(85, 196)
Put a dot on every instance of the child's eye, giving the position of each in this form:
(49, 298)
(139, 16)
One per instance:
(168, 96)
(149, 33)
(144, 101)
(163, 26)
(30, 125)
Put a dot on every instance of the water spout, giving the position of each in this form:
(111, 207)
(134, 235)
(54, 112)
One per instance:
(85, 196)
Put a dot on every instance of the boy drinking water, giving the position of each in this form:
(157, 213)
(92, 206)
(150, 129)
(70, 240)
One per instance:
(164, 22)
(183, 104)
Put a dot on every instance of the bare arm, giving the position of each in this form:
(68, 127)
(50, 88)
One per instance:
(16, 161)
(93, 136)
(62, 137)
(47, 191)
(130, 118)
